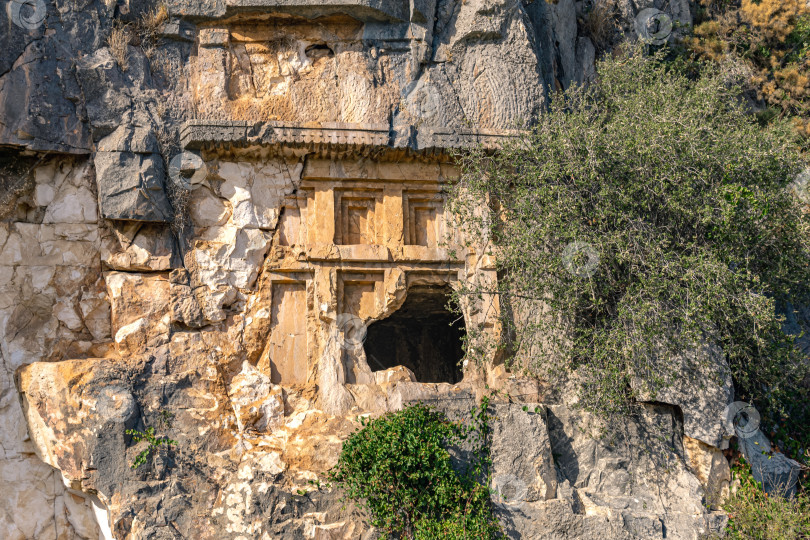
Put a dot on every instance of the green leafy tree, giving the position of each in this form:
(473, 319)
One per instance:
(400, 470)
(642, 218)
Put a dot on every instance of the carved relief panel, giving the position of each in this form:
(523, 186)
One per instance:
(287, 351)
(287, 346)
(355, 215)
(424, 223)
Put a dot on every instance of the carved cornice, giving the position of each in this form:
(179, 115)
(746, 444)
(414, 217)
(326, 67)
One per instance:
(330, 139)
(379, 11)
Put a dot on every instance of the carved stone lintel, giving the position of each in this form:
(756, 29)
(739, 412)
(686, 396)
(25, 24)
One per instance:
(351, 139)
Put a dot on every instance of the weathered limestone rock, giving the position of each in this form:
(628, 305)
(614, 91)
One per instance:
(710, 467)
(256, 191)
(105, 90)
(778, 474)
(521, 448)
(185, 307)
(702, 389)
(623, 482)
(52, 305)
(140, 247)
(140, 310)
(231, 214)
(131, 187)
(483, 55)
(31, 484)
(606, 484)
(257, 403)
(34, 97)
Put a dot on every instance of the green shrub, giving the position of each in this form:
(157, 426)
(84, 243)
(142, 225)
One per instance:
(165, 420)
(399, 469)
(685, 203)
(755, 515)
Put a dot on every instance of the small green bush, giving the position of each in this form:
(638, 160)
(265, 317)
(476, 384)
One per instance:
(399, 469)
(755, 515)
(153, 444)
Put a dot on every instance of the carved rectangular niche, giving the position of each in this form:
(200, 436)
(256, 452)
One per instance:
(287, 346)
(293, 222)
(357, 215)
(360, 293)
(423, 213)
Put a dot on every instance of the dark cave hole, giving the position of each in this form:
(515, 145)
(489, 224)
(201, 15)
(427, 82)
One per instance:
(422, 335)
(319, 50)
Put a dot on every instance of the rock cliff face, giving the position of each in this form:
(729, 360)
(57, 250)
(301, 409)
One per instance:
(230, 226)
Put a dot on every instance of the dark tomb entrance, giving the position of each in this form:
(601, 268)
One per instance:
(422, 335)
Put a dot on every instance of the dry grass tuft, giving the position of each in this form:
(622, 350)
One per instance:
(776, 19)
(149, 25)
(600, 23)
(153, 19)
(118, 42)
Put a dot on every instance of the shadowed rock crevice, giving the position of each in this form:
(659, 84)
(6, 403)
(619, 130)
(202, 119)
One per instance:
(423, 335)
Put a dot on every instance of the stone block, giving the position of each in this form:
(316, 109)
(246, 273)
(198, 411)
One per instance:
(364, 10)
(394, 375)
(778, 473)
(521, 448)
(710, 466)
(257, 402)
(128, 138)
(702, 389)
(364, 252)
(131, 187)
(184, 305)
(214, 37)
(134, 297)
(136, 246)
